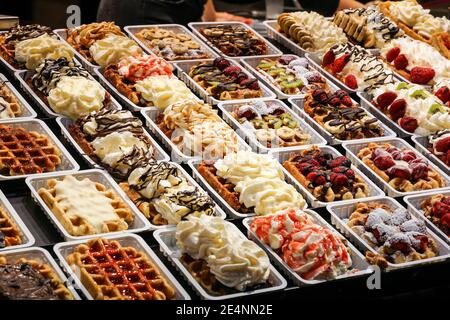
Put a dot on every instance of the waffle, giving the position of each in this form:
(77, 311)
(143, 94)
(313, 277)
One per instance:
(57, 287)
(123, 85)
(82, 38)
(170, 45)
(10, 234)
(9, 101)
(111, 271)
(26, 152)
(395, 235)
(421, 176)
(437, 209)
(75, 223)
(339, 181)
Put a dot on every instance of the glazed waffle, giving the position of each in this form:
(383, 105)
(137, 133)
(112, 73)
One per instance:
(431, 180)
(82, 38)
(59, 289)
(335, 187)
(11, 100)
(10, 234)
(26, 152)
(395, 235)
(77, 225)
(437, 209)
(111, 271)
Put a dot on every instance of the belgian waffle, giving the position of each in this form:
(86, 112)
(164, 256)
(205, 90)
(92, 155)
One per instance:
(123, 85)
(400, 168)
(11, 102)
(78, 225)
(10, 234)
(111, 271)
(395, 235)
(83, 37)
(26, 152)
(437, 209)
(53, 284)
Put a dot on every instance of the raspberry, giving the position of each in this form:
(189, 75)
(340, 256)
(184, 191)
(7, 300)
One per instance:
(422, 75)
(328, 58)
(385, 99)
(392, 54)
(401, 62)
(397, 109)
(232, 70)
(221, 63)
(443, 93)
(351, 82)
(409, 124)
(340, 63)
(384, 162)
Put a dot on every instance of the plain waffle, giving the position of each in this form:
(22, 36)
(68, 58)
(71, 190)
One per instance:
(10, 234)
(112, 272)
(26, 152)
(9, 97)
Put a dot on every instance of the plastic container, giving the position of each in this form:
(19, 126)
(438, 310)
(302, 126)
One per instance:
(68, 164)
(248, 134)
(421, 144)
(139, 224)
(27, 110)
(23, 76)
(352, 149)
(177, 28)
(341, 212)
(297, 106)
(167, 243)
(25, 234)
(196, 26)
(62, 250)
(215, 195)
(6, 64)
(273, 33)
(42, 256)
(358, 260)
(64, 123)
(183, 73)
(284, 155)
(176, 154)
(366, 104)
(413, 203)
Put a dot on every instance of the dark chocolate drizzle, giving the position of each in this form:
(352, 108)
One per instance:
(21, 33)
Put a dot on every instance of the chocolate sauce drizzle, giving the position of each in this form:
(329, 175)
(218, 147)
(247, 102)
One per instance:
(21, 33)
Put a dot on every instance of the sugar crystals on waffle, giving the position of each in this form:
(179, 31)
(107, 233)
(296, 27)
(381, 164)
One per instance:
(86, 207)
(25, 279)
(111, 271)
(328, 178)
(401, 168)
(10, 234)
(26, 152)
(395, 235)
(225, 81)
(10, 107)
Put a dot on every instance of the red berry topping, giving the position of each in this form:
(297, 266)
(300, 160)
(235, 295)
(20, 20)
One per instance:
(232, 70)
(422, 75)
(408, 156)
(316, 178)
(347, 101)
(442, 144)
(384, 162)
(339, 161)
(401, 62)
(385, 99)
(392, 54)
(440, 209)
(399, 171)
(445, 220)
(250, 83)
(338, 179)
(401, 244)
(397, 109)
(328, 58)
(351, 82)
(334, 101)
(221, 63)
(340, 63)
(419, 170)
(443, 93)
(409, 124)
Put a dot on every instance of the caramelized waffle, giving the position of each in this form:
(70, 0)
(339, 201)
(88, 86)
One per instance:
(395, 235)
(9, 105)
(85, 207)
(26, 152)
(111, 271)
(30, 280)
(10, 234)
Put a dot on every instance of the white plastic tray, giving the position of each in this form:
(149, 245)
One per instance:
(248, 135)
(27, 110)
(167, 242)
(62, 250)
(183, 69)
(352, 149)
(284, 155)
(339, 212)
(68, 164)
(139, 224)
(358, 260)
(421, 145)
